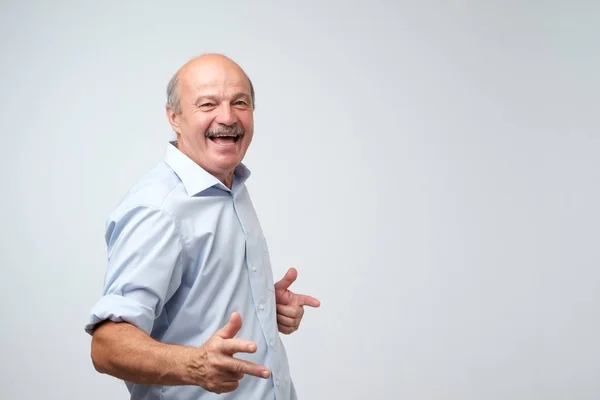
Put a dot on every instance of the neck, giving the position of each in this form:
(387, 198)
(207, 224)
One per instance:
(227, 180)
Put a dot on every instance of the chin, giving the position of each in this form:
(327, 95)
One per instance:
(226, 166)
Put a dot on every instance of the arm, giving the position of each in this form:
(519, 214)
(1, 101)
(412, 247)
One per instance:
(121, 350)
(144, 271)
(125, 352)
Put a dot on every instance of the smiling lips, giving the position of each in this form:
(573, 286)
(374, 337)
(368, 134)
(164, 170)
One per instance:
(225, 136)
(225, 141)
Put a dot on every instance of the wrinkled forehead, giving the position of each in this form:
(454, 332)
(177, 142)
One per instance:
(214, 79)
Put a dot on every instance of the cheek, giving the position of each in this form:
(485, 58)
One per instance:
(247, 122)
(200, 123)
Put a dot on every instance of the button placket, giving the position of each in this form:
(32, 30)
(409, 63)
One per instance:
(261, 277)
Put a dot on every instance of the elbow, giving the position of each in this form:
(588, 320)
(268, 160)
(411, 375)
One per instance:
(98, 366)
(98, 353)
(96, 357)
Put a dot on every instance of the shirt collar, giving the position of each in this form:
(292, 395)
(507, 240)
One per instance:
(195, 179)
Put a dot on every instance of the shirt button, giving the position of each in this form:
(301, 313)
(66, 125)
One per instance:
(271, 342)
(277, 381)
(253, 268)
(260, 306)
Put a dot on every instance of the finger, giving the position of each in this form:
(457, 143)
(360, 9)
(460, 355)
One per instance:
(286, 321)
(231, 376)
(232, 346)
(223, 387)
(232, 327)
(290, 311)
(287, 280)
(227, 387)
(246, 367)
(286, 329)
(304, 300)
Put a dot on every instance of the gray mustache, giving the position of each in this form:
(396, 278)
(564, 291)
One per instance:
(225, 131)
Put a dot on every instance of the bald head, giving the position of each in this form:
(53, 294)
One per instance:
(204, 64)
(211, 109)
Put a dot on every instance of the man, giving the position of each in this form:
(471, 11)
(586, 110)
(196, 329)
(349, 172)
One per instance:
(190, 309)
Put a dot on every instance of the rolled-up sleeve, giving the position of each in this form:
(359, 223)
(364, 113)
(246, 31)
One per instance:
(144, 270)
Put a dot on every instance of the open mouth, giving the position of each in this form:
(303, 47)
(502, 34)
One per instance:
(225, 140)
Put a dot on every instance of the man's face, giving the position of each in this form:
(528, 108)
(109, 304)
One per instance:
(216, 122)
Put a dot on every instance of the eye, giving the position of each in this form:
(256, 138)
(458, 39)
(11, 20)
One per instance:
(240, 103)
(207, 105)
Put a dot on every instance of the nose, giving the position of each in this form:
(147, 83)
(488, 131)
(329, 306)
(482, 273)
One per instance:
(226, 115)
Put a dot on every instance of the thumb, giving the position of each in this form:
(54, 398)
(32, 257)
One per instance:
(232, 327)
(287, 280)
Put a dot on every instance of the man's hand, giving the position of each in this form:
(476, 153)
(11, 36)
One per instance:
(216, 369)
(290, 306)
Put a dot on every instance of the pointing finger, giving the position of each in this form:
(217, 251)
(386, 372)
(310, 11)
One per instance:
(247, 368)
(305, 300)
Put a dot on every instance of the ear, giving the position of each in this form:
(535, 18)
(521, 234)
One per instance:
(173, 118)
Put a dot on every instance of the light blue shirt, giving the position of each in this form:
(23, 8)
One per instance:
(184, 252)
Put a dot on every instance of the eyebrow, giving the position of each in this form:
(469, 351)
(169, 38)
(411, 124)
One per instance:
(214, 98)
(243, 95)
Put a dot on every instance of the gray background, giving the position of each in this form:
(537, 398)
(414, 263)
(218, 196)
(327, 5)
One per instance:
(431, 169)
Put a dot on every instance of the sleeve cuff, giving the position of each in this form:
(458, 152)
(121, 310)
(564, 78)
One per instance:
(120, 309)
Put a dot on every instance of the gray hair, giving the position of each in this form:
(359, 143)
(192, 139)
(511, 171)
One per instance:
(174, 101)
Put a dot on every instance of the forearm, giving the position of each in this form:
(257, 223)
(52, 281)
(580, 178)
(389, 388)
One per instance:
(125, 352)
